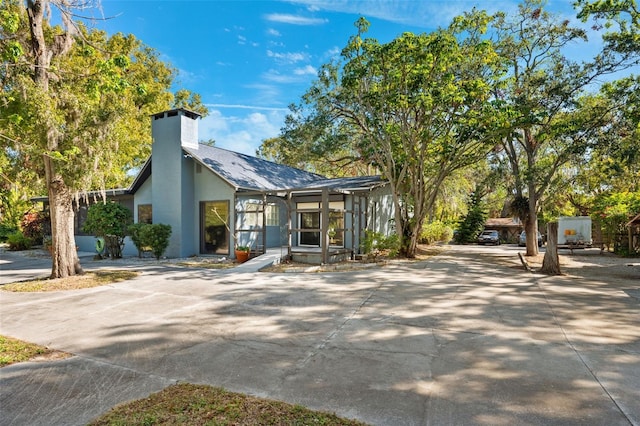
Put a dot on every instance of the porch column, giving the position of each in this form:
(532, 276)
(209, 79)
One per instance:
(353, 224)
(264, 223)
(233, 231)
(324, 227)
(289, 213)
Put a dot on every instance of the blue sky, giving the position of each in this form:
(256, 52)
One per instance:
(250, 59)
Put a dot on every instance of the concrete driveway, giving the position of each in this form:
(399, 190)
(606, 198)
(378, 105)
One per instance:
(463, 338)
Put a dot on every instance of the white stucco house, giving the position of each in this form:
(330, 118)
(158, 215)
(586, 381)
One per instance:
(216, 199)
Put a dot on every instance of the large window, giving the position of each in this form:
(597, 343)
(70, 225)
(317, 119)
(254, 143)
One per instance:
(214, 227)
(310, 219)
(252, 215)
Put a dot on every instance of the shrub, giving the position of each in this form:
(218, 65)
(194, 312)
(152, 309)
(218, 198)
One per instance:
(157, 236)
(35, 225)
(435, 232)
(154, 236)
(17, 241)
(376, 242)
(6, 230)
(135, 231)
(110, 221)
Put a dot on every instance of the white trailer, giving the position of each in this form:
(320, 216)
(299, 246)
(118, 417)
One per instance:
(574, 231)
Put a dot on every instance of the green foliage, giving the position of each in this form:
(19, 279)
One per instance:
(190, 101)
(376, 242)
(519, 207)
(147, 236)
(108, 218)
(13, 207)
(6, 230)
(473, 222)
(110, 221)
(435, 232)
(157, 235)
(613, 211)
(135, 233)
(18, 241)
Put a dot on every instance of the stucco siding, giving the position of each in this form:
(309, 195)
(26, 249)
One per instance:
(381, 216)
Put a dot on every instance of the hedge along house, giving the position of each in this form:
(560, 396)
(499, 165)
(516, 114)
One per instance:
(216, 200)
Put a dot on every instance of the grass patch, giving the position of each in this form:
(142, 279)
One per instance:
(14, 350)
(76, 282)
(205, 405)
(206, 264)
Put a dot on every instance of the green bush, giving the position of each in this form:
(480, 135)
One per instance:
(376, 242)
(435, 232)
(6, 230)
(157, 235)
(135, 231)
(154, 236)
(17, 241)
(110, 221)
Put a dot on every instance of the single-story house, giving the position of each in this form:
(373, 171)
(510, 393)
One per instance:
(509, 228)
(215, 199)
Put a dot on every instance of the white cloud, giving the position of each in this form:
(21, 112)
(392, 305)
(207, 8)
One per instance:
(423, 14)
(308, 70)
(332, 53)
(242, 39)
(288, 57)
(273, 32)
(277, 77)
(241, 132)
(284, 18)
(251, 107)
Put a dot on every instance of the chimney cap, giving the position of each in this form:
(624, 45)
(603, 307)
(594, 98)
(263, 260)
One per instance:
(171, 112)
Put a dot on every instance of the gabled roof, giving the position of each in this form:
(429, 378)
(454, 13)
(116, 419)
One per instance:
(246, 172)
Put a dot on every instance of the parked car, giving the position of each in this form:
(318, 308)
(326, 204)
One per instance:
(522, 241)
(489, 237)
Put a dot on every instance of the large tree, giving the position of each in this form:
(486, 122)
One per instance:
(553, 117)
(417, 108)
(75, 106)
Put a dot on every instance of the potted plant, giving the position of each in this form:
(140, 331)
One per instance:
(242, 253)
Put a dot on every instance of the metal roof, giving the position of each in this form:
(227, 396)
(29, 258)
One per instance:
(345, 184)
(246, 172)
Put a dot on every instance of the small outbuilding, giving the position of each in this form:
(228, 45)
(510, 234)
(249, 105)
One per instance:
(509, 228)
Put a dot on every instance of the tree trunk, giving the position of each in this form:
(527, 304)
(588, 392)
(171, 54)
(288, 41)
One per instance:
(531, 225)
(64, 255)
(551, 261)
